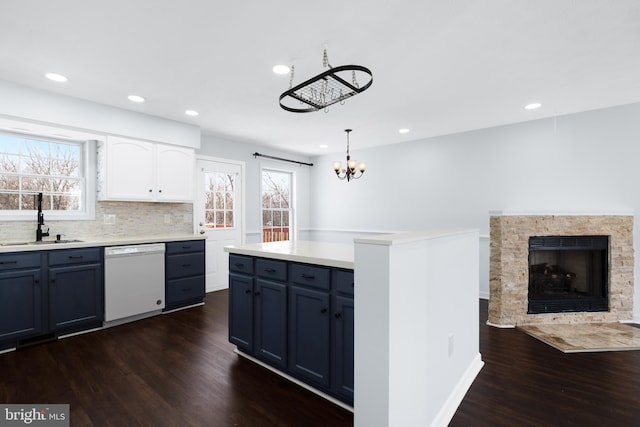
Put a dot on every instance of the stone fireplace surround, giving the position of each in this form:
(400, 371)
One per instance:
(509, 265)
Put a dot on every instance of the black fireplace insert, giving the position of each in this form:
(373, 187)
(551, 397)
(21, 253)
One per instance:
(568, 274)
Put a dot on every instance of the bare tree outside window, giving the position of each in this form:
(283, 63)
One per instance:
(276, 205)
(219, 200)
(29, 166)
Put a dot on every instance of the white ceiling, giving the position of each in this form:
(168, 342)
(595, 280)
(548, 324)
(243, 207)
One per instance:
(439, 67)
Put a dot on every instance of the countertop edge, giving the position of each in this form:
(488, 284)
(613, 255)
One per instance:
(88, 243)
(315, 259)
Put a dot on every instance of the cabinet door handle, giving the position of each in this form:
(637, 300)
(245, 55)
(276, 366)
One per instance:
(159, 191)
(186, 247)
(150, 191)
(248, 291)
(308, 276)
(53, 280)
(270, 270)
(186, 265)
(8, 262)
(186, 289)
(257, 293)
(239, 265)
(75, 256)
(338, 315)
(323, 311)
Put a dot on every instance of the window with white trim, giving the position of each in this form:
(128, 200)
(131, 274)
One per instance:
(277, 207)
(56, 168)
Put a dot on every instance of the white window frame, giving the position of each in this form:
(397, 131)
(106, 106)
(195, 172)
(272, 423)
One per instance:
(292, 200)
(88, 172)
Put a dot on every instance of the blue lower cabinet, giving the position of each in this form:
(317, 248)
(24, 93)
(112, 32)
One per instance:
(184, 274)
(76, 290)
(45, 294)
(21, 305)
(309, 332)
(270, 326)
(241, 311)
(343, 344)
(295, 317)
(75, 297)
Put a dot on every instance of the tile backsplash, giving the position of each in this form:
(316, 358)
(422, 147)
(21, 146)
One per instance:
(113, 220)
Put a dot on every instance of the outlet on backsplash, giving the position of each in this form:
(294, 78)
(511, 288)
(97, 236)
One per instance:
(109, 219)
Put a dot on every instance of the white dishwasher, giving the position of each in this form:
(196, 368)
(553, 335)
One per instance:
(133, 281)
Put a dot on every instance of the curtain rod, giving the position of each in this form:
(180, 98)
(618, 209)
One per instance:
(256, 154)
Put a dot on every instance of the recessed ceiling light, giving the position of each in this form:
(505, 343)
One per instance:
(191, 113)
(280, 69)
(532, 106)
(324, 146)
(404, 130)
(56, 77)
(135, 98)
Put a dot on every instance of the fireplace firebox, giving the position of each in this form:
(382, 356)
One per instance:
(568, 274)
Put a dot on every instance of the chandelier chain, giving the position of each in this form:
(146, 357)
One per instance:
(291, 76)
(325, 60)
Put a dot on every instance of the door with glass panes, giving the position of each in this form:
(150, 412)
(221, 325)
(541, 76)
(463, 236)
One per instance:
(219, 215)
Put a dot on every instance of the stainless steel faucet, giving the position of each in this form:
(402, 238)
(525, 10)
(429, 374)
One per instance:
(39, 233)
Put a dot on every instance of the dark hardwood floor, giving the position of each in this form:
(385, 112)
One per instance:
(179, 370)
(172, 370)
(525, 382)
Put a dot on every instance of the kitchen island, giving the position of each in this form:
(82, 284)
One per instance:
(415, 332)
(291, 309)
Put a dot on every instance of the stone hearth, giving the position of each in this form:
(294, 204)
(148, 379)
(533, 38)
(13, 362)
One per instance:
(509, 265)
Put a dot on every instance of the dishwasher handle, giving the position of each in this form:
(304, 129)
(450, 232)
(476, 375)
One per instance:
(132, 250)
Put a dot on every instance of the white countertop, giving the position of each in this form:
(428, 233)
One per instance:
(338, 255)
(97, 241)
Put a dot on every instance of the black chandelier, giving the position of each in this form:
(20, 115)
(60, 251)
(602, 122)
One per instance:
(352, 166)
(326, 88)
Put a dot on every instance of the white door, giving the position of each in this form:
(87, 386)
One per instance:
(218, 215)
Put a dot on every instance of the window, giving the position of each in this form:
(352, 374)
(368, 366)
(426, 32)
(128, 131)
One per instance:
(31, 164)
(276, 205)
(220, 194)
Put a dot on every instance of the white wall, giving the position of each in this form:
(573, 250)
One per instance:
(574, 163)
(233, 150)
(22, 102)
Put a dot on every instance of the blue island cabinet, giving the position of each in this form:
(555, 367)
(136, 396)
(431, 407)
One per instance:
(297, 318)
(258, 308)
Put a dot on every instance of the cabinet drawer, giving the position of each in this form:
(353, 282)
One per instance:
(185, 265)
(74, 256)
(270, 269)
(185, 247)
(241, 264)
(185, 289)
(309, 275)
(344, 282)
(13, 261)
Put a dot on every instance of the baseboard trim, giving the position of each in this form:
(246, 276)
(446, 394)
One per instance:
(448, 410)
(294, 380)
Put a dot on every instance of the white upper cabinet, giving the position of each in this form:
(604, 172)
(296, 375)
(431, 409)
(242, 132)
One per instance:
(175, 168)
(132, 170)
